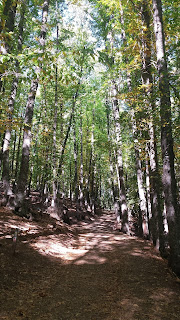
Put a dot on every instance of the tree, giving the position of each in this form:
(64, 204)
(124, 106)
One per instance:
(168, 178)
(11, 102)
(24, 168)
(6, 30)
(157, 228)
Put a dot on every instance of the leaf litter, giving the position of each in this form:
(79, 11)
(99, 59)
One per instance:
(87, 271)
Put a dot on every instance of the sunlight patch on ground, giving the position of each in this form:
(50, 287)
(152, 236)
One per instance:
(91, 259)
(162, 295)
(146, 254)
(88, 248)
(23, 228)
(78, 254)
(57, 249)
(121, 238)
(84, 251)
(137, 253)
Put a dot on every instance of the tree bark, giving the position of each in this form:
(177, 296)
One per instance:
(17, 158)
(123, 201)
(7, 138)
(115, 188)
(81, 197)
(24, 168)
(68, 129)
(141, 189)
(92, 168)
(13, 154)
(75, 164)
(148, 187)
(54, 182)
(168, 179)
(147, 81)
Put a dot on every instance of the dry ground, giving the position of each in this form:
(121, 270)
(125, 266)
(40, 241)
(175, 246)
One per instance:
(84, 272)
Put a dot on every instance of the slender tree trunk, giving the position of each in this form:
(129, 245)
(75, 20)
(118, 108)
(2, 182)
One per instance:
(168, 179)
(7, 139)
(123, 201)
(68, 129)
(86, 178)
(70, 182)
(54, 183)
(13, 154)
(65, 141)
(30, 180)
(75, 164)
(115, 189)
(24, 168)
(155, 183)
(88, 181)
(92, 168)
(17, 158)
(81, 197)
(1, 152)
(148, 189)
(46, 170)
(34, 155)
(141, 189)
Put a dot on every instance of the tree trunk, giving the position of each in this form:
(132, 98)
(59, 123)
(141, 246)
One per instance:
(168, 179)
(157, 219)
(24, 168)
(68, 129)
(81, 198)
(115, 189)
(88, 181)
(75, 164)
(17, 158)
(7, 139)
(92, 168)
(54, 182)
(141, 189)
(123, 201)
(13, 154)
(1, 150)
(70, 182)
(148, 187)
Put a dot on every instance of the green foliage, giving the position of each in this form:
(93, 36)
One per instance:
(82, 63)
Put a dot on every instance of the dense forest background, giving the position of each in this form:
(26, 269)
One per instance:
(90, 111)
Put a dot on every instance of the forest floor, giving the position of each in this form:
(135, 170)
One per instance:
(86, 271)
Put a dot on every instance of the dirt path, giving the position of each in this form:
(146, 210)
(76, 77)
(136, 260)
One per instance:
(86, 272)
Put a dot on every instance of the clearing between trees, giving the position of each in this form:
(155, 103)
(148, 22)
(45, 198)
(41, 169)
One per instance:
(87, 271)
